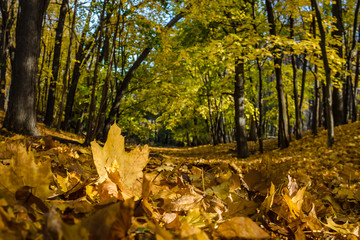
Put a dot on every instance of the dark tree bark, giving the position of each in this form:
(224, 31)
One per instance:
(355, 107)
(252, 130)
(260, 125)
(99, 58)
(284, 139)
(316, 110)
(303, 80)
(349, 64)
(260, 100)
(21, 114)
(329, 113)
(298, 123)
(120, 92)
(67, 68)
(100, 121)
(339, 96)
(49, 115)
(80, 55)
(239, 99)
(7, 21)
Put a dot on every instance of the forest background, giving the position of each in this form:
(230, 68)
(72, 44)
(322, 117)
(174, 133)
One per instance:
(180, 72)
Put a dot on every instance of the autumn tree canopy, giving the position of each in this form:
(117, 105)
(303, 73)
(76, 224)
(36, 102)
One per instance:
(186, 72)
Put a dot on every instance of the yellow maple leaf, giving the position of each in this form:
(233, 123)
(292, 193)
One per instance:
(23, 171)
(128, 164)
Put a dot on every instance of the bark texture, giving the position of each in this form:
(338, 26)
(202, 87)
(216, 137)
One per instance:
(21, 114)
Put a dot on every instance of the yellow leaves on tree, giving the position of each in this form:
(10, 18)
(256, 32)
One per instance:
(112, 160)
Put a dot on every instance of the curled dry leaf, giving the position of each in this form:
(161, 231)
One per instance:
(171, 220)
(111, 222)
(295, 203)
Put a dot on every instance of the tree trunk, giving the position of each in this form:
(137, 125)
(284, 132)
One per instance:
(283, 120)
(316, 110)
(298, 123)
(260, 100)
(100, 121)
(239, 99)
(349, 64)
(7, 17)
(21, 114)
(89, 132)
(316, 105)
(67, 68)
(329, 113)
(80, 55)
(49, 115)
(339, 96)
(252, 130)
(355, 107)
(303, 81)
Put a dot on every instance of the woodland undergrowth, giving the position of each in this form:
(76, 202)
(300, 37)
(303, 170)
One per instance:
(52, 190)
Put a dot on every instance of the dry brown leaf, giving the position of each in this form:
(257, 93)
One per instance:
(295, 203)
(111, 222)
(171, 220)
(345, 228)
(108, 189)
(186, 202)
(240, 227)
(130, 164)
(312, 220)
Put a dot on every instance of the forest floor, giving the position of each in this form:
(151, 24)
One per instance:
(53, 190)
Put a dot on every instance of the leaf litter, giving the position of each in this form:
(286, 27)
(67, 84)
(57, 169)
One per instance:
(50, 190)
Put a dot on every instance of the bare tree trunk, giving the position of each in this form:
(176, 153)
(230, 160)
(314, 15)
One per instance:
(303, 80)
(21, 114)
(239, 99)
(283, 120)
(7, 21)
(49, 115)
(100, 121)
(349, 64)
(67, 68)
(260, 100)
(316, 110)
(80, 55)
(316, 105)
(329, 113)
(298, 122)
(89, 132)
(339, 97)
(355, 107)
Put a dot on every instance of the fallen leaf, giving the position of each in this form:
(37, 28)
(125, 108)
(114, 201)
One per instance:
(23, 171)
(130, 164)
(189, 232)
(240, 227)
